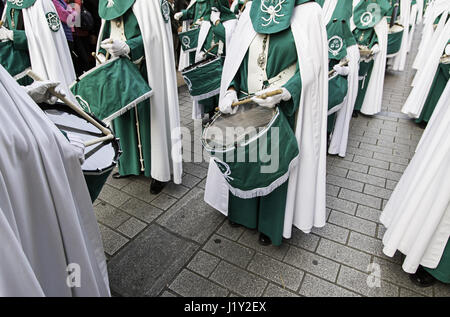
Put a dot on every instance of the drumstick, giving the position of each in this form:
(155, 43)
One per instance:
(96, 57)
(263, 96)
(211, 48)
(243, 6)
(73, 106)
(344, 63)
(99, 140)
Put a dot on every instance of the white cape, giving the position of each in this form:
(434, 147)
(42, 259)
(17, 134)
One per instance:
(49, 51)
(417, 216)
(399, 60)
(46, 216)
(424, 77)
(305, 206)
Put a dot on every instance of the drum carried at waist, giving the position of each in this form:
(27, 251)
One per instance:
(395, 38)
(111, 89)
(255, 149)
(16, 62)
(100, 158)
(203, 78)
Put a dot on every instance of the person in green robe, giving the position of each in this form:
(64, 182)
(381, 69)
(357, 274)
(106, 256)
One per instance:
(217, 12)
(266, 213)
(121, 36)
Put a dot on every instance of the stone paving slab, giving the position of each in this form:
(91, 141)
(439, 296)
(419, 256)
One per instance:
(174, 244)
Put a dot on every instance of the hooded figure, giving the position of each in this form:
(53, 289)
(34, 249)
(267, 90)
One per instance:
(370, 28)
(216, 25)
(417, 215)
(33, 37)
(50, 242)
(281, 44)
(149, 134)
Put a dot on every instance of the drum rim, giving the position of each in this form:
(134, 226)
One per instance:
(276, 114)
(109, 61)
(114, 142)
(204, 62)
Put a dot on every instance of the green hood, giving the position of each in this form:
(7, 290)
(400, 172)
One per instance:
(17, 4)
(112, 9)
(368, 13)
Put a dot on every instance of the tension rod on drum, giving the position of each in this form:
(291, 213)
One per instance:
(78, 110)
(263, 96)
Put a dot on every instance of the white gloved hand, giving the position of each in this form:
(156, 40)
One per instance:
(78, 145)
(178, 15)
(226, 102)
(6, 34)
(375, 49)
(271, 102)
(116, 48)
(215, 16)
(39, 91)
(447, 49)
(341, 70)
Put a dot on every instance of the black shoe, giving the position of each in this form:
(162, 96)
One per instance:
(118, 176)
(264, 240)
(156, 186)
(234, 224)
(422, 278)
(355, 114)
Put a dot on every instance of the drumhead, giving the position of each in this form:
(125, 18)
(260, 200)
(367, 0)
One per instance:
(445, 59)
(99, 157)
(228, 130)
(396, 29)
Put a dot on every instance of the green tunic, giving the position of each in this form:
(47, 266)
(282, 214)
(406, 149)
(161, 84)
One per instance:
(442, 271)
(266, 214)
(125, 126)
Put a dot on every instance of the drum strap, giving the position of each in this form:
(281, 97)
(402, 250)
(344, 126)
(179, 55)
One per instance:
(257, 76)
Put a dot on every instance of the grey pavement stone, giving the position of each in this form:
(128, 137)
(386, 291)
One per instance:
(149, 262)
(190, 180)
(345, 182)
(341, 205)
(118, 183)
(139, 190)
(357, 281)
(391, 158)
(131, 227)
(366, 178)
(195, 169)
(303, 240)
(385, 174)
(232, 233)
(315, 287)
(407, 293)
(193, 285)
(174, 190)
(332, 232)
(163, 201)
(343, 254)
(353, 223)
(229, 250)
(332, 190)
(371, 162)
(441, 290)
(273, 290)
(276, 271)
(112, 241)
(368, 213)
(113, 196)
(250, 239)
(397, 167)
(141, 210)
(109, 215)
(377, 191)
(360, 198)
(312, 263)
(360, 152)
(391, 184)
(238, 280)
(191, 217)
(351, 165)
(375, 149)
(167, 294)
(203, 263)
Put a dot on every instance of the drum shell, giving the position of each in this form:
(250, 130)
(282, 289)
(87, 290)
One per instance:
(395, 40)
(111, 89)
(203, 78)
(253, 178)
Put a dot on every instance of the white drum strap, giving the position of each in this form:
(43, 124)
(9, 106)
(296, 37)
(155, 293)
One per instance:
(117, 29)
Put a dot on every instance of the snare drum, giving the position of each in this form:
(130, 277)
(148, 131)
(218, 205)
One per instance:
(111, 89)
(189, 39)
(255, 149)
(100, 159)
(395, 39)
(203, 78)
(16, 62)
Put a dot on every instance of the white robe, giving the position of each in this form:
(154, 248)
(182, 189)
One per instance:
(417, 216)
(46, 216)
(399, 60)
(48, 50)
(305, 205)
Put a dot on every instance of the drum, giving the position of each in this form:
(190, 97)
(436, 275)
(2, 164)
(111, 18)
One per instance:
(16, 62)
(189, 39)
(395, 39)
(255, 149)
(203, 78)
(111, 89)
(100, 159)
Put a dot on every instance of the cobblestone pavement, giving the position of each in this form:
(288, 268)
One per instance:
(173, 244)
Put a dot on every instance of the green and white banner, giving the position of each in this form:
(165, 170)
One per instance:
(189, 39)
(203, 80)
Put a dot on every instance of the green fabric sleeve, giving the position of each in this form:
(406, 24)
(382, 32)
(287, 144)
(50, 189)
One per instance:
(219, 32)
(294, 86)
(136, 45)
(188, 14)
(20, 40)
